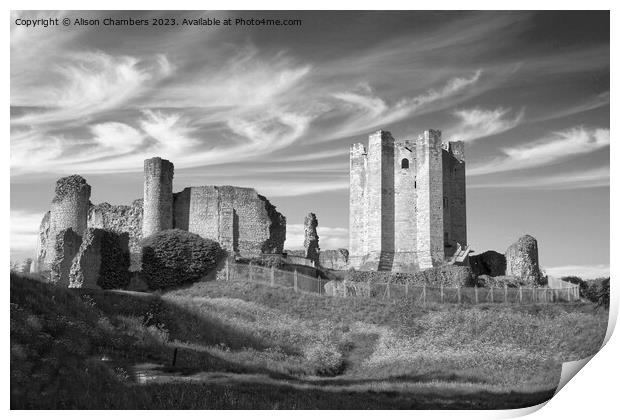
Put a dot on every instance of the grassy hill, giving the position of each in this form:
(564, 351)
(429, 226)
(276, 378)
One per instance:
(242, 345)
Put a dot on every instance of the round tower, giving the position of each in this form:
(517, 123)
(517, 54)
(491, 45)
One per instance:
(157, 205)
(69, 209)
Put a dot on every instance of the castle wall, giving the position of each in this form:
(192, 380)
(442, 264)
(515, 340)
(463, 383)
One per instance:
(38, 262)
(455, 220)
(121, 219)
(69, 209)
(405, 231)
(380, 207)
(429, 189)
(242, 221)
(158, 214)
(358, 196)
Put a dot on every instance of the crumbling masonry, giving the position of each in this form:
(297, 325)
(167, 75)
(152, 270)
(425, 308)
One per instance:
(311, 238)
(245, 223)
(407, 202)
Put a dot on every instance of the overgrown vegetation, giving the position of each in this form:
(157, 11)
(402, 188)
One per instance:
(175, 257)
(447, 275)
(242, 345)
(596, 291)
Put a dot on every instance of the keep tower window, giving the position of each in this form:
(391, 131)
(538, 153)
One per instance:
(404, 164)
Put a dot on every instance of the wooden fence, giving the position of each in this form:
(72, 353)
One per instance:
(273, 277)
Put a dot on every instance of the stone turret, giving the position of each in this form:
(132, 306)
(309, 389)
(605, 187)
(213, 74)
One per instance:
(158, 201)
(69, 209)
(429, 188)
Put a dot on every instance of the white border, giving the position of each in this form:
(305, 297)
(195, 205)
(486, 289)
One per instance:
(591, 395)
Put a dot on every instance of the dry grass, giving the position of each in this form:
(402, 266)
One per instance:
(271, 348)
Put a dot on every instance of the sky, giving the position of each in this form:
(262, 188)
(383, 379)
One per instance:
(276, 108)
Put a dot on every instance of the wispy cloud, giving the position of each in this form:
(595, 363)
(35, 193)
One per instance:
(367, 111)
(329, 237)
(87, 83)
(24, 230)
(589, 104)
(557, 147)
(587, 272)
(285, 188)
(477, 123)
(589, 178)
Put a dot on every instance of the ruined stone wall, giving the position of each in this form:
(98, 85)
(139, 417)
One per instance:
(430, 226)
(102, 261)
(69, 209)
(311, 237)
(522, 260)
(157, 215)
(66, 246)
(121, 219)
(358, 219)
(242, 221)
(405, 239)
(38, 262)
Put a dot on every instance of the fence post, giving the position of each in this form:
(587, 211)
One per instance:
(387, 291)
(458, 293)
(227, 271)
(406, 289)
(546, 294)
(424, 294)
(441, 293)
(272, 277)
(476, 293)
(491, 291)
(250, 271)
(295, 280)
(520, 294)
(505, 294)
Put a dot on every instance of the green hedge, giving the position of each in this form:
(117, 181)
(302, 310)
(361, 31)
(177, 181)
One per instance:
(174, 257)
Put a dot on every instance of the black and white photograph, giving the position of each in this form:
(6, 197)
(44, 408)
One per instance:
(307, 209)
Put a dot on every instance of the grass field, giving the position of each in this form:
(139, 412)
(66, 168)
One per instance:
(242, 345)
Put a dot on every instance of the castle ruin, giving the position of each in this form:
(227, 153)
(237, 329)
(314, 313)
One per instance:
(406, 203)
(245, 223)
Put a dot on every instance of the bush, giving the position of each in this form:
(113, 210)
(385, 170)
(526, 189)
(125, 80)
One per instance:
(599, 292)
(174, 257)
(583, 285)
(325, 359)
(596, 291)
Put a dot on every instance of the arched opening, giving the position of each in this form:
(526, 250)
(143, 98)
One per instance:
(404, 164)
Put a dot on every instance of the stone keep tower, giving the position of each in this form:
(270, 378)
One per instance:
(69, 209)
(407, 202)
(157, 211)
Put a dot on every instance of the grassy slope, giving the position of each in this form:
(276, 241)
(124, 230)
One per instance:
(272, 348)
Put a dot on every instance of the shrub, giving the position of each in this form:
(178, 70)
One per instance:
(600, 292)
(596, 291)
(325, 359)
(583, 285)
(174, 257)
